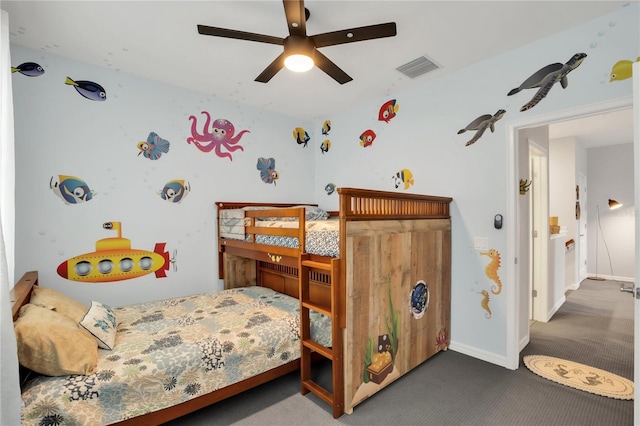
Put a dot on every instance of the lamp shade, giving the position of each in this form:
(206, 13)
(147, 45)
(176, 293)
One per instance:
(613, 204)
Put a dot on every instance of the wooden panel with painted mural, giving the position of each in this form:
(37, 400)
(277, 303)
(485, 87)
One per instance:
(398, 301)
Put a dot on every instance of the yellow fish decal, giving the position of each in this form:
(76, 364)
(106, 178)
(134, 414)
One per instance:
(622, 70)
(301, 136)
(326, 127)
(403, 177)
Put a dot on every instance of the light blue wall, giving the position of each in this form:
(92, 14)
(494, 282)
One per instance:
(57, 131)
(423, 138)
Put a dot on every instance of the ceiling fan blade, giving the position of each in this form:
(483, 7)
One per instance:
(272, 69)
(355, 34)
(326, 65)
(240, 35)
(296, 19)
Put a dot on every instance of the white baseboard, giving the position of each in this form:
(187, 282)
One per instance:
(573, 286)
(478, 353)
(524, 342)
(555, 307)
(614, 278)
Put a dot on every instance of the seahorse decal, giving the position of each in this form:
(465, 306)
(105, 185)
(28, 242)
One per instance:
(485, 303)
(491, 270)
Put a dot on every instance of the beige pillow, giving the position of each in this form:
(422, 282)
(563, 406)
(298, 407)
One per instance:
(52, 344)
(59, 302)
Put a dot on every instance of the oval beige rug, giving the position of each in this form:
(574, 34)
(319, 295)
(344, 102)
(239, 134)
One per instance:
(580, 376)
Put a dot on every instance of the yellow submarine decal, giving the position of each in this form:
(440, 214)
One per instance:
(115, 260)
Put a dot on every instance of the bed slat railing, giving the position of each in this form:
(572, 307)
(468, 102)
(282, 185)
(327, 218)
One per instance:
(361, 204)
(21, 292)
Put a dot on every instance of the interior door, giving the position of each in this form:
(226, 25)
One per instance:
(539, 213)
(636, 148)
(581, 209)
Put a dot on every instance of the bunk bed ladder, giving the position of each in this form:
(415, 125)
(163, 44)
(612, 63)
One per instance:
(309, 346)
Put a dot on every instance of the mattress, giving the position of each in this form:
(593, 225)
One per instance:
(321, 238)
(169, 351)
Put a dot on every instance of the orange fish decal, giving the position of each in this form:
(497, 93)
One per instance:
(367, 138)
(388, 110)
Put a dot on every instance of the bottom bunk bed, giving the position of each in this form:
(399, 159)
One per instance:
(168, 357)
(387, 289)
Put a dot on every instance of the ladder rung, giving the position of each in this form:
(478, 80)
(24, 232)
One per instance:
(317, 265)
(322, 350)
(317, 308)
(318, 390)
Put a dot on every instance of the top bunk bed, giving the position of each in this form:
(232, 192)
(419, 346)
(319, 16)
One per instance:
(267, 231)
(393, 251)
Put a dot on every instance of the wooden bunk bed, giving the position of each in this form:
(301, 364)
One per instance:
(387, 293)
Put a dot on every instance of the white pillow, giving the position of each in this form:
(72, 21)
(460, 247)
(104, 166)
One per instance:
(101, 322)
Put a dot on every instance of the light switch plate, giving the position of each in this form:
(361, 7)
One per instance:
(480, 243)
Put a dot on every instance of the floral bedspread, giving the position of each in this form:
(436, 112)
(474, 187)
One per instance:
(167, 352)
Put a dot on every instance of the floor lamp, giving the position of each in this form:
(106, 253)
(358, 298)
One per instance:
(613, 204)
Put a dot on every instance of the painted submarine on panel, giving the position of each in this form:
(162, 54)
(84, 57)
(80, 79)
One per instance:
(115, 260)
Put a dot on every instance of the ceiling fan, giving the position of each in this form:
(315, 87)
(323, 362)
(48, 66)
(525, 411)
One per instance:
(299, 45)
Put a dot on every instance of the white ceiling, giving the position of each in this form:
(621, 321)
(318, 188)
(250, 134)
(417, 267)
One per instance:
(158, 40)
(611, 128)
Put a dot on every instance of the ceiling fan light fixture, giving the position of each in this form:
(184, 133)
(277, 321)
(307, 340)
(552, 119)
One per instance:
(298, 62)
(299, 51)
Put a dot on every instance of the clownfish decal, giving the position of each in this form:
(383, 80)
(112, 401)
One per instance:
(388, 111)
(301, 136)
(326, 127)
(367, 137)
(267, 167)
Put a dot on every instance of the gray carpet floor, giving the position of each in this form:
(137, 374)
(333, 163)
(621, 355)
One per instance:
(594, 327)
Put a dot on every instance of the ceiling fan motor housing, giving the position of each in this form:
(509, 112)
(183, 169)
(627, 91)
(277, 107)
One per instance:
(299, 45)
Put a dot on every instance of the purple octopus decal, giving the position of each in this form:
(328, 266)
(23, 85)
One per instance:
(220, 140)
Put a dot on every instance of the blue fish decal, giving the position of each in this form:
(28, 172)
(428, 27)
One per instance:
(88, 89)
(154, 147)
(30, 69)
(326, 127)
(175, 191)
(267, 167)
(71, 189)
(330, 188)
(301, 136)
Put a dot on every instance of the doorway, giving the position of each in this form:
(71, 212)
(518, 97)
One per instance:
(519, 305)
(538, 211)
(581, 213)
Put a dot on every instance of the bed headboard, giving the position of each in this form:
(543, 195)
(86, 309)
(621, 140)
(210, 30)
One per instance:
(21, 292)
(367, 204)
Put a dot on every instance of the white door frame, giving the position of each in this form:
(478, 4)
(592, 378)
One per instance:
(583, 237)
(636, 156)
(513, 317)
